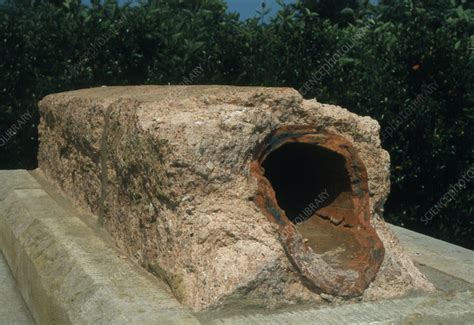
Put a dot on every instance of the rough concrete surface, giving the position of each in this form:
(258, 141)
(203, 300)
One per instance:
(168, 171)
(450, 259)
(457, 308)
(12, 307)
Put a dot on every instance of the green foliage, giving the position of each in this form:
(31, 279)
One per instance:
(386, 57)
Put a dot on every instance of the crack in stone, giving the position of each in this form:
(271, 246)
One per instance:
(104, 173)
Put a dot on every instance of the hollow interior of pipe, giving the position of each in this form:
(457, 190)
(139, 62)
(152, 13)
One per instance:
(313, 187)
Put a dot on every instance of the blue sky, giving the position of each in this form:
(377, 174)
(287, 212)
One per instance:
(248, 8)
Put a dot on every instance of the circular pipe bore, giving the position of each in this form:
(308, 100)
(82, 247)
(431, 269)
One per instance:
(314, 187)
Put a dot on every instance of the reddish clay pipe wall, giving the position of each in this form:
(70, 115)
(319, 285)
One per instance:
(353, 277)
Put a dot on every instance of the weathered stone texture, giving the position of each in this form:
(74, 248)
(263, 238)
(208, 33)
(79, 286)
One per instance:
(167, 169)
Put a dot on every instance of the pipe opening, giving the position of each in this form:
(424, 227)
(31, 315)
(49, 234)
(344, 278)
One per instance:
(314, 187)
(307, 178)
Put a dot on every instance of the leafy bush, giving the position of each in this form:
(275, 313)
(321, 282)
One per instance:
(409, 65)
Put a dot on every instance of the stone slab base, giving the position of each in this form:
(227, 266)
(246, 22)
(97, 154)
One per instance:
(453, 309)
(12, 307)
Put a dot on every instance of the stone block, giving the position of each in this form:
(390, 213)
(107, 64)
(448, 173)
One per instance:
(245, 194)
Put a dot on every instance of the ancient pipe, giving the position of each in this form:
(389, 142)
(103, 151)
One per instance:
(232, 194)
